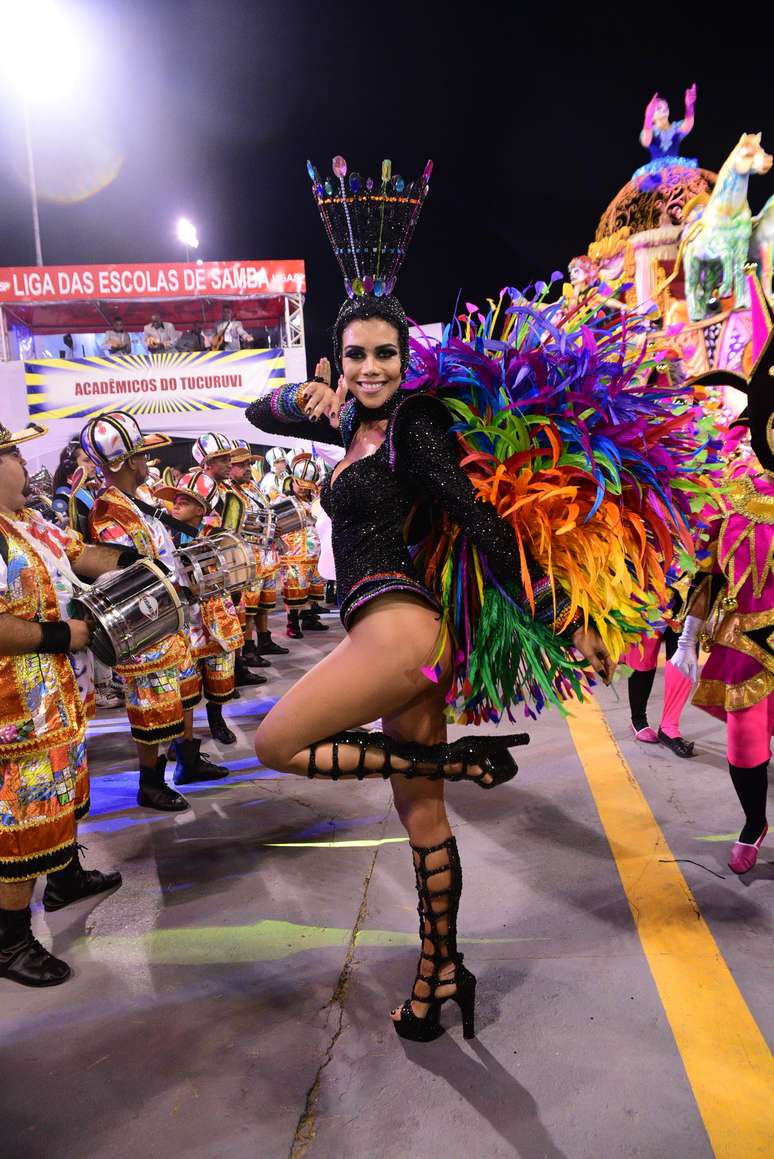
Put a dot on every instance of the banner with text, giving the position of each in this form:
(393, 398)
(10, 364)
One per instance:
(151, 281)
(177, 394)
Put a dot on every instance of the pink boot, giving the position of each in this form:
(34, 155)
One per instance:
(743, 856)
(677, 691)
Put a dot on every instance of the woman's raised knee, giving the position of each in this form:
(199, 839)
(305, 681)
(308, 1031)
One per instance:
(269, 749)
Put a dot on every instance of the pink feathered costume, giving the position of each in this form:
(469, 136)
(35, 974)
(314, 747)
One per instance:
(737, 681)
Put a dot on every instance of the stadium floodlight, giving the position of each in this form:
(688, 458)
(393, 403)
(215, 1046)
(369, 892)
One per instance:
(186, 235)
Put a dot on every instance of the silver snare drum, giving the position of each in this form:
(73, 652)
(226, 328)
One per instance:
(289, 516)
(132, 609)
(258, 527)
(216, 564)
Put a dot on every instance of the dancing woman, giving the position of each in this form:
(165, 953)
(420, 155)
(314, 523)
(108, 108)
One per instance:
(400, 469)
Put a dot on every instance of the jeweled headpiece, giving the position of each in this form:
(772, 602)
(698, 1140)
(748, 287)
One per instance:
(369, 223)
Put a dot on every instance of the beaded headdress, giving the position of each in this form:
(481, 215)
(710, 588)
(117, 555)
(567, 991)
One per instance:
(369, 223)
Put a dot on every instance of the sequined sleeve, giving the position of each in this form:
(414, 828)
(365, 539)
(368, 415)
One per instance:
(280, 413)
(425, 456)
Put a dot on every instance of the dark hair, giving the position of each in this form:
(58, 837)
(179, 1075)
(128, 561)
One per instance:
(67, 463)
(368, 306)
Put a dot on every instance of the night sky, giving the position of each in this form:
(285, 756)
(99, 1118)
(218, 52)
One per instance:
(531, 118)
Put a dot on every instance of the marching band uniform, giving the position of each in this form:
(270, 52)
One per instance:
(162, 683)
(273, 481)
(308, 474)
(44, 785)
(263, 597)
(214, 630)
(212, 453)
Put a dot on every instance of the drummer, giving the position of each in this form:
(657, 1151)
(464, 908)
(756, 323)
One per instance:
(273, 482)
(306, 475)
(43, 770)
(162, 684)
(215, 633)
(212, 453)
(263, 597)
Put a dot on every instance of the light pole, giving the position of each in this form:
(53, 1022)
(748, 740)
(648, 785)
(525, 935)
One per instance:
(32, 180)
(186, 235)
(49, 25)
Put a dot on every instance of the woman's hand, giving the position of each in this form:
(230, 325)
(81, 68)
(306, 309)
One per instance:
(316, 394)
(317, 397)
(589, 643)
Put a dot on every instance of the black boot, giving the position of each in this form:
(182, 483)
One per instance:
(330, 592)
(310, 622)
(314, 609)
(370, 754)
(22, 958)
(73, 883)
(219, 730)
(250, 656)
(193, 765)
(243, 677)
(293, 628)
(441, 974)
(751, 785)
(267, 647)
(155, 793)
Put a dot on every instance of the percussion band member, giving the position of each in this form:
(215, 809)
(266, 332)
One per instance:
(44, 787)
(212, 453)
(214, 631)
(263, 598)
(162, 684)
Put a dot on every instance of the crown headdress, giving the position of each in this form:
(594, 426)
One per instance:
(369, 223)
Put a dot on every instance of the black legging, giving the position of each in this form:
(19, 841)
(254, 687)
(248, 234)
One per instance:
(641, 684)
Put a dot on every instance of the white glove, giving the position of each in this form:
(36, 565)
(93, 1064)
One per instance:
(685, 659)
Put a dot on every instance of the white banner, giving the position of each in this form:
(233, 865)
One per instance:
(180, 394)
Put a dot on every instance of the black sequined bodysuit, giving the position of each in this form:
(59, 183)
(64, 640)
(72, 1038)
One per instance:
(380, 504)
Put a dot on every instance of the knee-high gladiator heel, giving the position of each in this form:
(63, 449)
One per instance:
(488, 754)
(437, 911)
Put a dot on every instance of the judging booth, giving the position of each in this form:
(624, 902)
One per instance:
(184, 347)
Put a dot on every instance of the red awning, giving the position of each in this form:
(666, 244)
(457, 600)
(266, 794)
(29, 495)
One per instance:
(93, 317)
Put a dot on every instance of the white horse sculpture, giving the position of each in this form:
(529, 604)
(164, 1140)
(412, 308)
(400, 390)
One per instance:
(721, 239)
(762, 247)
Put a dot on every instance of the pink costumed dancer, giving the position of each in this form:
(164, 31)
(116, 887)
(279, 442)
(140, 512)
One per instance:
(732, 613)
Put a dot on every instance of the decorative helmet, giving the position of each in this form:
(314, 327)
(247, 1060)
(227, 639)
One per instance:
(110, 438)
(211, 446)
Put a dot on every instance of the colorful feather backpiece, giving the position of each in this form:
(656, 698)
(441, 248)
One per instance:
(600, 473)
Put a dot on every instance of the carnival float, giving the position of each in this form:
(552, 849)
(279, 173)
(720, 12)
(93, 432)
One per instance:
(676, 243)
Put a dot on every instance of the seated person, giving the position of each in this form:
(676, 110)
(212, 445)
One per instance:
(117, 341)
(159, 336)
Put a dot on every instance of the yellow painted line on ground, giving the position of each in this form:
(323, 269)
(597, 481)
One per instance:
(728, 1064)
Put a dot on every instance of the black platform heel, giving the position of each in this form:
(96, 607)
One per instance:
(438, 931)
(488, 754)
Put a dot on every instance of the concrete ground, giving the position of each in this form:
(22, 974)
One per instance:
(231, 999)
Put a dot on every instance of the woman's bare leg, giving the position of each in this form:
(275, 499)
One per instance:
(422, 808)
(374, 672)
